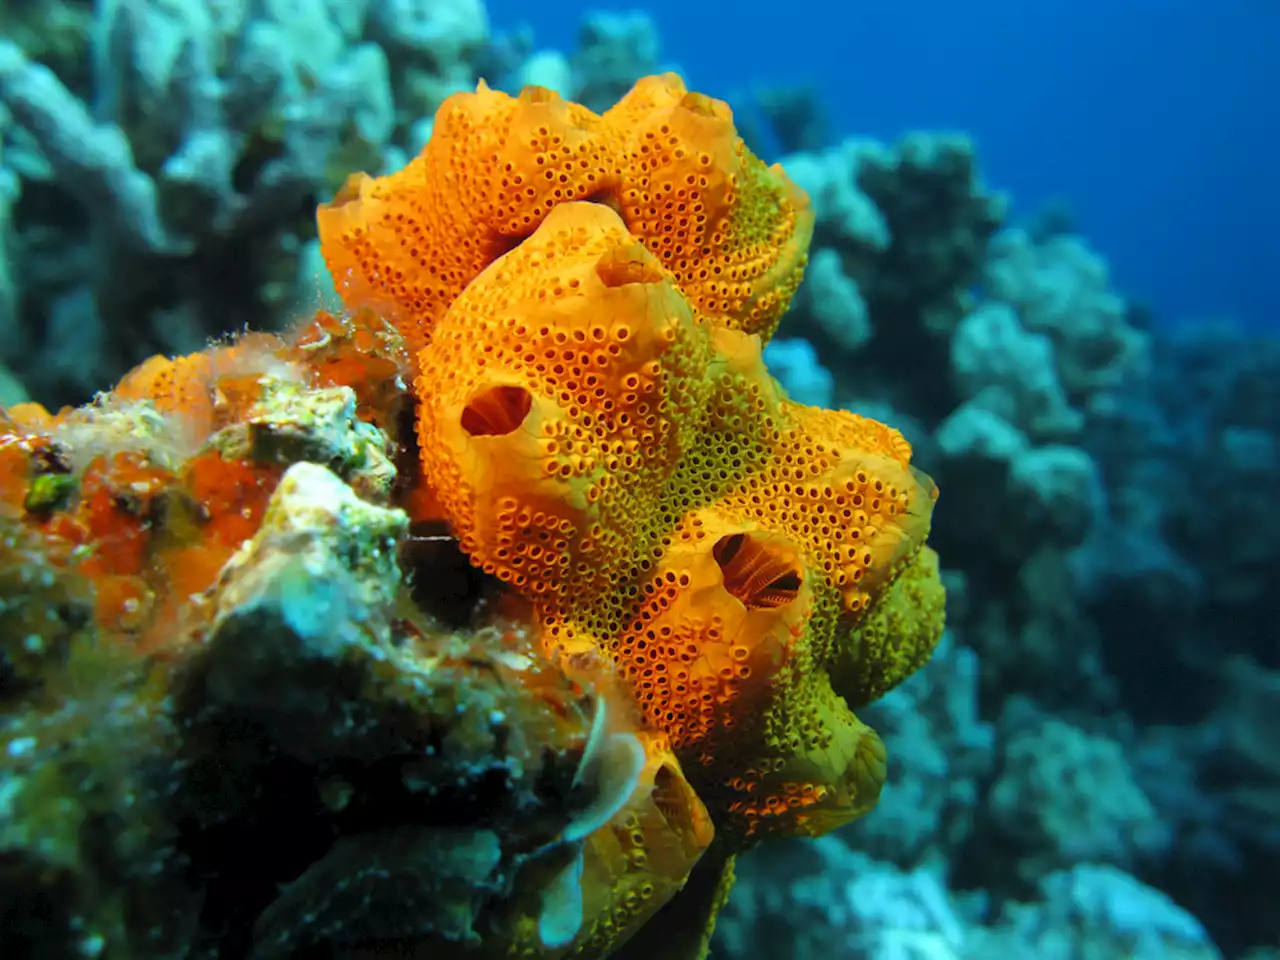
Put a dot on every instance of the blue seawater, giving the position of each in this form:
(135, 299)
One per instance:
(1157, 121)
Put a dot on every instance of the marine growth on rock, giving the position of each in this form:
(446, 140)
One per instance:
(493, 618)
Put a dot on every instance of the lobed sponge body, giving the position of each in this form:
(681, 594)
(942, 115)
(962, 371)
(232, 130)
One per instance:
(587, 298)
(733, 232)
(627, 462)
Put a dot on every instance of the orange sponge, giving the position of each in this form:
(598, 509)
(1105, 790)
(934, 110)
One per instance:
(627, 463)
(733, 232)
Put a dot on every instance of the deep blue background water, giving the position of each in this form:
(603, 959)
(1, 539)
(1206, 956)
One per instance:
(1158, 120)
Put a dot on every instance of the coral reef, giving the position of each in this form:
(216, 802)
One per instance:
(163, 147)
(1113, 458)
(828, 900)
(257, 698)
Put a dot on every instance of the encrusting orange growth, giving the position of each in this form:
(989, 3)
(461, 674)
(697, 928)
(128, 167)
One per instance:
(141, 494)
(733, 233)
(178, 386)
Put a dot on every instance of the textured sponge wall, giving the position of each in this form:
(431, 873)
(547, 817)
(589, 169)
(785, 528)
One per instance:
(627, 462)
(587, 297)
(559, 393)
(733, 232)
